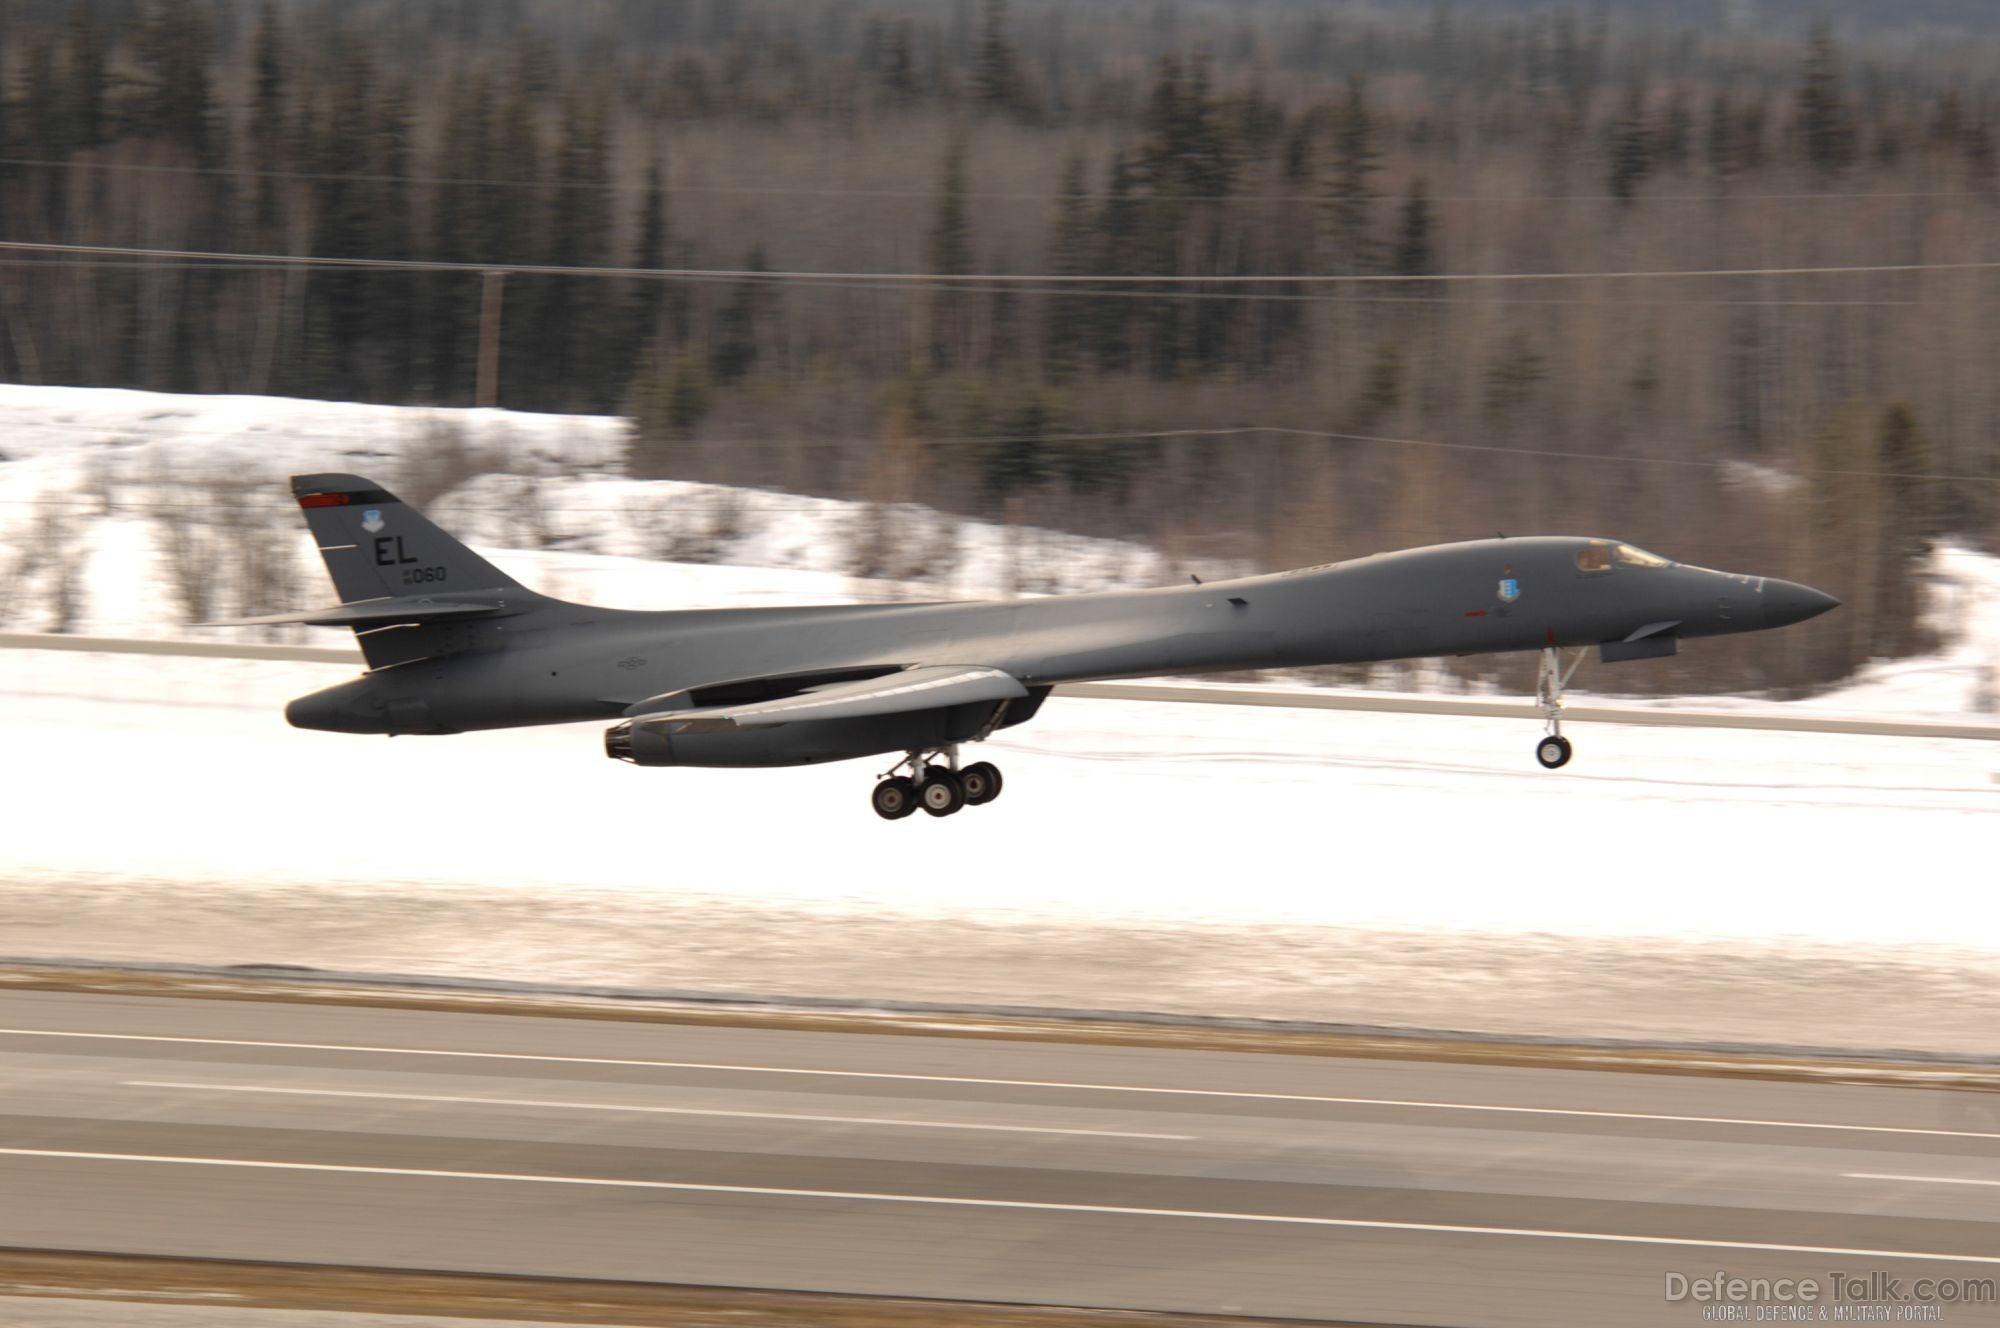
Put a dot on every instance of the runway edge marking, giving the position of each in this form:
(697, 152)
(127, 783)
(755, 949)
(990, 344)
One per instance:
(651, 1110)
(955, 1201)
(905, 1077)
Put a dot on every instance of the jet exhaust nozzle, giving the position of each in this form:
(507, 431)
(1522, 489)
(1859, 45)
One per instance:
(618, 741)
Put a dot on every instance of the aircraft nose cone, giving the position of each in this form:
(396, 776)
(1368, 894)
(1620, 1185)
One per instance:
(1788, 602)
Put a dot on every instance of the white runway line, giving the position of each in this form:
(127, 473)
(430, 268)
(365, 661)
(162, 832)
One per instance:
(1014, 1083)
(863, 1196)
(1925, 1180)
(661, 1111)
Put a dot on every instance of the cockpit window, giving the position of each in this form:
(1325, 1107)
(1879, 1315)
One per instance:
(1627, 556)
(1593, 558)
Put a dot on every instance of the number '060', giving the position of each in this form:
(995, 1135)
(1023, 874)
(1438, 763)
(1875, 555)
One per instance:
(422, 575)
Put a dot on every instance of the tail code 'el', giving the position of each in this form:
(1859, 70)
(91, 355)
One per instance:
(375, 545)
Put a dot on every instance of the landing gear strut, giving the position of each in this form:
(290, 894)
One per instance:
(938, 786)
(1553, 751)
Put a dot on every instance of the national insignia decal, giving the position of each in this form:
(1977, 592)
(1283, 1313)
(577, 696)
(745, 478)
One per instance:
(371, 520)
(1510, 590)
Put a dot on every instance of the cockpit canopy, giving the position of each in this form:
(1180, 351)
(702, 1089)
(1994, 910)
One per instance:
(1604, 557)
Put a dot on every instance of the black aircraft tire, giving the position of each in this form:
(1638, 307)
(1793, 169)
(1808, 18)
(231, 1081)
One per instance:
(1553, 753)
(982, 783)
(894, 799)
(941, 793)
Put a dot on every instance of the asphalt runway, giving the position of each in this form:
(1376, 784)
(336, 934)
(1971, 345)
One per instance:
(1310, 1187)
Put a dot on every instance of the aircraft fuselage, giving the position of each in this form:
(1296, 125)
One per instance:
(548, 662)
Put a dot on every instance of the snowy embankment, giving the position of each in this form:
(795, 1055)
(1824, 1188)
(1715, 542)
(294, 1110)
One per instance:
(1384, 868)
(139, 485)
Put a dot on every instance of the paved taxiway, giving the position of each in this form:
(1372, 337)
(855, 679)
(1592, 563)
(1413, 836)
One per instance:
(1402, 1192)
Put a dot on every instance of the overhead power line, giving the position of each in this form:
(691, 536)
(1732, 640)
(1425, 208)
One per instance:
(982, 195)
(1070, 280)
(1263, 294)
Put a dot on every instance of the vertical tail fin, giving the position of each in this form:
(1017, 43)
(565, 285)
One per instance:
(375, 545)
(378, 547)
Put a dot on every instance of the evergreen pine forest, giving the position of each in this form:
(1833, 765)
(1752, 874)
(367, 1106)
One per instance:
(1829, 428)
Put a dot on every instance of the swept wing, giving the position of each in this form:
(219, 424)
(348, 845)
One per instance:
(926, 687)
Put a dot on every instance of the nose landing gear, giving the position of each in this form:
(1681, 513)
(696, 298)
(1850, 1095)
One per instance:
(1554, 750)
(940, 789)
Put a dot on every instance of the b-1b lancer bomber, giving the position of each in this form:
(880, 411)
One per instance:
(453, 644)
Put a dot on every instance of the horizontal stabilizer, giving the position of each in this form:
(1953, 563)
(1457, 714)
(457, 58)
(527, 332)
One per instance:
(374, 613)
(928, 687)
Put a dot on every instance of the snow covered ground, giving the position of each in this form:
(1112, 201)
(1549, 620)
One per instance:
(1384, 868)
(1359, 867)
(108, 465)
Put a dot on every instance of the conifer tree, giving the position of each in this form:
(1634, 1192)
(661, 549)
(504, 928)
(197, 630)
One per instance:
(949, 250)
(44, 109)
(1674, 133)
(344, 214)
(1205, 163)
(1382, 390)
(392, 332)
(1632, 145)
(899, 62)
(269, 75)
(996, 74)
(1413, 256)
(654, 304)
(1918, 502)
(1723, 144)
(1118, 242)
(1511, 381)
(1071, 250)
(1357, 156)
(574, 369)
(459, 232)
(88, 74)
(172, 45)
(733, 349)
(949, 247)
(514, 212)
(1825, 121)
(1184, 162)
(669, 398)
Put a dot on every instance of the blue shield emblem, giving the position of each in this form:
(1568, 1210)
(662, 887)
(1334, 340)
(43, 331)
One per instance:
(1510, 590)
(371, 520)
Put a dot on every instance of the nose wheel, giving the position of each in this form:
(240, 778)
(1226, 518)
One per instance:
(940, 789)
(1554, 750)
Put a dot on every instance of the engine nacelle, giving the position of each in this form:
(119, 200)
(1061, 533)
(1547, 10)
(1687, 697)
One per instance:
(789, 744)
(808, 743)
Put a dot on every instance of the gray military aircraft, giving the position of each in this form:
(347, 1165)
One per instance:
(452, 644)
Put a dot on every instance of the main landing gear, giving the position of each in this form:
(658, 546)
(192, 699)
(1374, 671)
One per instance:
(939, 788)
(1553, 751)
